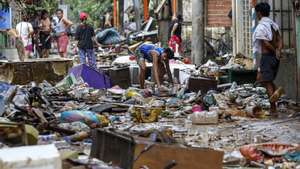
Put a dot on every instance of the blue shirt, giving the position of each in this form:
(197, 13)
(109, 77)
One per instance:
(145, 49)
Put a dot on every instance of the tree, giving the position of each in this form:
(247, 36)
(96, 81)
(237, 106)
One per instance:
(95, 9)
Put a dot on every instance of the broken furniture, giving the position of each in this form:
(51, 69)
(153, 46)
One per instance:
(38, 70)
(123, 150)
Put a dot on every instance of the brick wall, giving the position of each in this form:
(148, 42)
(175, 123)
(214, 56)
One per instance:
(217, 13)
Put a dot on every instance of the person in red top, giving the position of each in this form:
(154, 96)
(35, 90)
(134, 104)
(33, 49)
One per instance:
(175, 34)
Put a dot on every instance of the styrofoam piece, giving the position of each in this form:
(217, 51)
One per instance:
(205, 117)
(30, 157)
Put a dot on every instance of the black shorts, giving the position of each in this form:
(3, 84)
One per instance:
(269, 66)
(45, 40)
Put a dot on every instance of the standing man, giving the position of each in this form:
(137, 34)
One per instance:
(45, 30)
(25, 32)
(267, 48)
(85, 35)
(175, 34)
(61, 33)
(159, 57)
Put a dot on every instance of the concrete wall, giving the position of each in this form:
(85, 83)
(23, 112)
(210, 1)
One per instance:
(287, 76)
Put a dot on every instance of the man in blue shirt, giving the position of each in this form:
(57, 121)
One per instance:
(159, 57)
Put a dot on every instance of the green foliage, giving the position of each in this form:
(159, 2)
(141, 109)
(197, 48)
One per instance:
(94, 8)
(48, 5)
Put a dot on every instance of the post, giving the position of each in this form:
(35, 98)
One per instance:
(198, 31)
(136, 5)
(297, 32)
(164, 20)
(146, 11)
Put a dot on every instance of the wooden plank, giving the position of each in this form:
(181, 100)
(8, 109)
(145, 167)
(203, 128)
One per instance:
(159, 156)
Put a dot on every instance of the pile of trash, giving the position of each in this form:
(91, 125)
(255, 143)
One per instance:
(245, 100)
(67, 114)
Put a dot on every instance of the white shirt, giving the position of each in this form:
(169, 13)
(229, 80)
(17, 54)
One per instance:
(263, 31)
(23, 29)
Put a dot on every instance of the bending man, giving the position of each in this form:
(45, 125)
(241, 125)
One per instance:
(159, 57)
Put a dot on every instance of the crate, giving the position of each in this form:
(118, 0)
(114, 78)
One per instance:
(119, 76)
(113, 147)
(242, 76)
(202, 84)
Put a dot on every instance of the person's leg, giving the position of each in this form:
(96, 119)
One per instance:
(91, 58)
(82, 56)
(142, 73)
(46, 54)
(28, 50)
(270, 87)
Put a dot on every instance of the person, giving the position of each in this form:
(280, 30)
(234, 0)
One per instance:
(61, 32)
(159, 57)
(45, 30)
(175, 34)
(267, 47)
(85, 35)
(25, 31)
(12, 33)
(108, 20)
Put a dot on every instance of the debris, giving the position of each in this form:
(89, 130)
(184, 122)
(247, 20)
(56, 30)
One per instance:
(205, 117)
(92, 119)
(92, 77)
(41, 156)
(266, 151)
(141, 115)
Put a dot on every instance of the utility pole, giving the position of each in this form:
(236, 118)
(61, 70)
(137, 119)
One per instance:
(198, 27)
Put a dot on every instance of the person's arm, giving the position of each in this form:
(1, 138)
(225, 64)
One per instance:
(168, 70)
(174, 29)
(155, 67)
(266, 44)
(67, 22)
(94, 38)
(30, 30)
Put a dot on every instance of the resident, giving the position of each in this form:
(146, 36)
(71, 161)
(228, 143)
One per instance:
(61, 33)
(25, 31)
(267, 49)
(85, 35)
(159, 57)
(45, 37)
(175, 39)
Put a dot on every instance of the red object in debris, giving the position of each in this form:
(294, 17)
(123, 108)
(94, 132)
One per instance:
(132, 58)
(276, 149)
(196, 108)
(257, 152)
(251, 153)
(186, 61)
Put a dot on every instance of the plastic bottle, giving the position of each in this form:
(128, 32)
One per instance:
(48, 138)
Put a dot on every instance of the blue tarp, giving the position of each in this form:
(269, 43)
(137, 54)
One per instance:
(108, 37)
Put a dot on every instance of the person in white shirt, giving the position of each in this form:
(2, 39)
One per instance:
(25, 32)
(267, 47)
